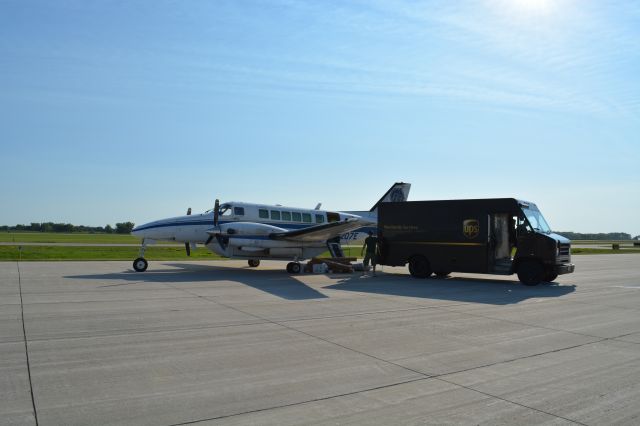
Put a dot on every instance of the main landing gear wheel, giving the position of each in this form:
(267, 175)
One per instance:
(293, 267)
(530, 272)
(140, 264)
(419, 267)
(254, 263)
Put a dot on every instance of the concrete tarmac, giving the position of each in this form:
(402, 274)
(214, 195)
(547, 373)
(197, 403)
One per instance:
(220, 343)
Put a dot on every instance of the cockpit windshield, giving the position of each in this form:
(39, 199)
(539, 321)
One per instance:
(223, 210)
(536, 220)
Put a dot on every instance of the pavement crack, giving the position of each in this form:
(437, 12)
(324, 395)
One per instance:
(542, 327)
(281, 324)
(26, 346)
(510, 402)
(293, 404)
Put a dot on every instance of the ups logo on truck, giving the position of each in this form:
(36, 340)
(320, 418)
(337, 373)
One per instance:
(470, 228)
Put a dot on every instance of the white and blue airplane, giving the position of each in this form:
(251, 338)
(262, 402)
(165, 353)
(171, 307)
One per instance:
(258, 231)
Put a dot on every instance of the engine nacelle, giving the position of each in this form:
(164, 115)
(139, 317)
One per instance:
(250, 235)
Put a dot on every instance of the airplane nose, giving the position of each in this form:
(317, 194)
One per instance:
(139, 231)
(156, 230)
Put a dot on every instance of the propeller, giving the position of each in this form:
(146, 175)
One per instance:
(216, 212)
(216, 208)
(187, 246)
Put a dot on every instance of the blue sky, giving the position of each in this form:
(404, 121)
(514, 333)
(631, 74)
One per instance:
(119, 110)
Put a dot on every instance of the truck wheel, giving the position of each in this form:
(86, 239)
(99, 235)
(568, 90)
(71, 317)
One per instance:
(530, 272)
(442, 274)
(550, 276)
(254, 263)
(419, 267)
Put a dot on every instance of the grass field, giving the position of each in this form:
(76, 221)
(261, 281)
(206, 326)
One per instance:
(32, 253)
(12, 252)
(54, 237)
(578, 250)
(99, 253)
(28, 253)
(603, 242)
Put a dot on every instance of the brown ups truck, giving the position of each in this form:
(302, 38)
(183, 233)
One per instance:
(485, 236)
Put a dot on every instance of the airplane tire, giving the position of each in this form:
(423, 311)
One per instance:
(140, 264)
(293, 267)
(419, 267)
(254, 263)
(530, 272)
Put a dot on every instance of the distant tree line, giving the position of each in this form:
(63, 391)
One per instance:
(120, 228)
(601, 236)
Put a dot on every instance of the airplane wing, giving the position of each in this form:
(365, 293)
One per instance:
(320, 232)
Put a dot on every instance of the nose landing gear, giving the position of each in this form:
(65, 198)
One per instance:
(141, 264)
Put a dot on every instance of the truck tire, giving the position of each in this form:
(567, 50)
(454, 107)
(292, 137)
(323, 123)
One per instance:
(530, 272)
(550, 276)
(442, 274)
(419, 267)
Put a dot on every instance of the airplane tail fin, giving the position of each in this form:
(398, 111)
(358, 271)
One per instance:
(399, 191)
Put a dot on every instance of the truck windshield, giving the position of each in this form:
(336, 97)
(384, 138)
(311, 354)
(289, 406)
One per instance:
(536, 220)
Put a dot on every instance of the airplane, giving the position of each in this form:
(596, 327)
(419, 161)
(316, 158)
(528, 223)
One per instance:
(258, 231)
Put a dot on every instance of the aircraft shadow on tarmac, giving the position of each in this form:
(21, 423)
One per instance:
(281, 284)
(458, 289)
(275, 282)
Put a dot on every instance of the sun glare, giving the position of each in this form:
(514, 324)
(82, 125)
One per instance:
(534, 6)
(528, 8)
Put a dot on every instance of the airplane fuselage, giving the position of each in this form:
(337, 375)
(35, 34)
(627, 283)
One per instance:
(255, 221)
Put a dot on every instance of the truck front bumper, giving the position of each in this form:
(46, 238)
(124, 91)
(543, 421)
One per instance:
(564, 268)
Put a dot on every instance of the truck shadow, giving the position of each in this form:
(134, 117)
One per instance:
(457, 289)
(274, 282)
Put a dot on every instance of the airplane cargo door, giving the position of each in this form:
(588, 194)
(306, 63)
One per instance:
(333, 217)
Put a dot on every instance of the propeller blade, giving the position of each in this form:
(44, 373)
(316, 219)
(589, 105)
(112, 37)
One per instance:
(189, 211)
(188, 248)
(215, 233)
(223, 241)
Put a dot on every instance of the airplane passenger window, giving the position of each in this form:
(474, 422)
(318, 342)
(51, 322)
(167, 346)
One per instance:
(296, 217)
(275, 215)
(238, 211)
(319, 218)
(306, 217)
(263, 213)
(286, 216)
